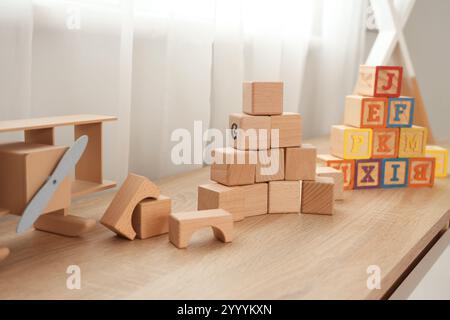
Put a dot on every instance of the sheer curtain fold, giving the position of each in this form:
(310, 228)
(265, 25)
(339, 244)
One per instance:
(161, 65)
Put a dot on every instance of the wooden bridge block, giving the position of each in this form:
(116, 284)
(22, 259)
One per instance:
(338, 179)
(379, 81)
(285, 196)
(289, 127)
(65, 225)
(346, 166)
(394, 173)
(421, 172)
(367, 174)
(364, 112)
(351, 143)
(385, 143)
(270, 165)
(250, 132)
(151, 217)
(182, 225)
(262, 98)
(413, 142)
(441, 156)
(118, 216)
(400, 112)
(233, 167)
(301, 163)
(241, 201)
(4, 253)
(318, 196)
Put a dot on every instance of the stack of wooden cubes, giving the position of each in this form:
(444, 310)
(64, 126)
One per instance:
(378, 146)
(268, 169)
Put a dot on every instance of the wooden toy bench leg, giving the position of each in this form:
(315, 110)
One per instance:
(59, 222)
(4, 253)
(40, 136)
(89, 167)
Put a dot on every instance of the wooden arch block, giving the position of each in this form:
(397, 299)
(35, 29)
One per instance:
(182, 225)
(118, 216)
(4, 253)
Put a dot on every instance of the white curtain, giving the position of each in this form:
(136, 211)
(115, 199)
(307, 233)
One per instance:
(161, 65)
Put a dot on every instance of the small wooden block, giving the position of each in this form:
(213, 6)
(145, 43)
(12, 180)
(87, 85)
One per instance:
(301, 163)
(118, 216)
(394, 173)
(262, 98)
(421, 172)
(346, 166)
(151, 217)
(289, 127)
(385, 143)
(367, 174)
(270, 165)
(413, 142)
(400, 112)
(318, 196)
(250, 132)
(64, 225)
(241, 201)
(4, 253)
(351, 143)
(364, 112)
(182, 225)
(338, 179)
(233, 167)
(379, 81)
(285, 196)
(441, 156)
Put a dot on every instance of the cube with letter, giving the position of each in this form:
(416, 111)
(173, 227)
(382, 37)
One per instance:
(379, 81)
(441, 156)
(412, 142)
(394, 173)
(250, 132)
(421, 172)
(365, 112)
(385, 143)
(346, 166)
(367, 174)
(351, 143)
(400, 112)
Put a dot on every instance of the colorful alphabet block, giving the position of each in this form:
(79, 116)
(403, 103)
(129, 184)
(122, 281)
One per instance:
(400, 112)
(364, 112)
(413, 142)
(379, 81)
(351, 143)
(385, 143)
(262, 98)
(394, 173)
(421, 172)
(346, 166)
(367, 174)
(441, 156)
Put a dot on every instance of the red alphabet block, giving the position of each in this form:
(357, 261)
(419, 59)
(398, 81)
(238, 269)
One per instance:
(421, 172)
(385, 143)
(380, 81)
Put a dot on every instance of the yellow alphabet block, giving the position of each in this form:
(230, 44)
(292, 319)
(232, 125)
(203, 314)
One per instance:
(412, 142)
(441, 156)
(351, 143)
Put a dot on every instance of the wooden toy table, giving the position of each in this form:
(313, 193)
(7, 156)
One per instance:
(272, 256)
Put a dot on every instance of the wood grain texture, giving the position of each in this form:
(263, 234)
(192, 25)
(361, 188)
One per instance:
(285, 196)
(64, 225)
(289, 126)
(253, 132)
(40, 136)
(301, 163)
(271, 256)
(233, 167)
(270, 166)
(90, 166)
(338, 179)
(318, 196)
(4, 253)
(118, 216)
(262, 98)
(151, 217)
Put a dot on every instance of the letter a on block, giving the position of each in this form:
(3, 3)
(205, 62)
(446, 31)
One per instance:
(118, 216)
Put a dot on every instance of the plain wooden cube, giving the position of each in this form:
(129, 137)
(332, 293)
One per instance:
(262, 98)
(250, 132)
(365, 112)
(24, 168)
(301, 163)
(270, 166)
(285, 196)
(351, 143)
(240, 201)
(441, 156)
(318, 196)
(379, 81)
(338, 179)
(151, 217)
(413, 142)
(233, 167)
(289, 126)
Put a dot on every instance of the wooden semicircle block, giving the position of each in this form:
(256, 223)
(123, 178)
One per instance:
(118, 216)
(4, 253)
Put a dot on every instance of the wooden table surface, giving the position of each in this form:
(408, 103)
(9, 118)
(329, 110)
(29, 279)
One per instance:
(272, 257)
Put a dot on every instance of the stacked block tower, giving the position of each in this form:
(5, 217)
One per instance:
(277, 173)
(378, 146)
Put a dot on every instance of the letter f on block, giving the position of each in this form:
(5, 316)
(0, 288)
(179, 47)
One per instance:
(399, 109)
(358, 140)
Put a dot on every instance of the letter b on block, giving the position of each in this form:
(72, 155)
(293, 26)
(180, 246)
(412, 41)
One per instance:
(421, 172)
